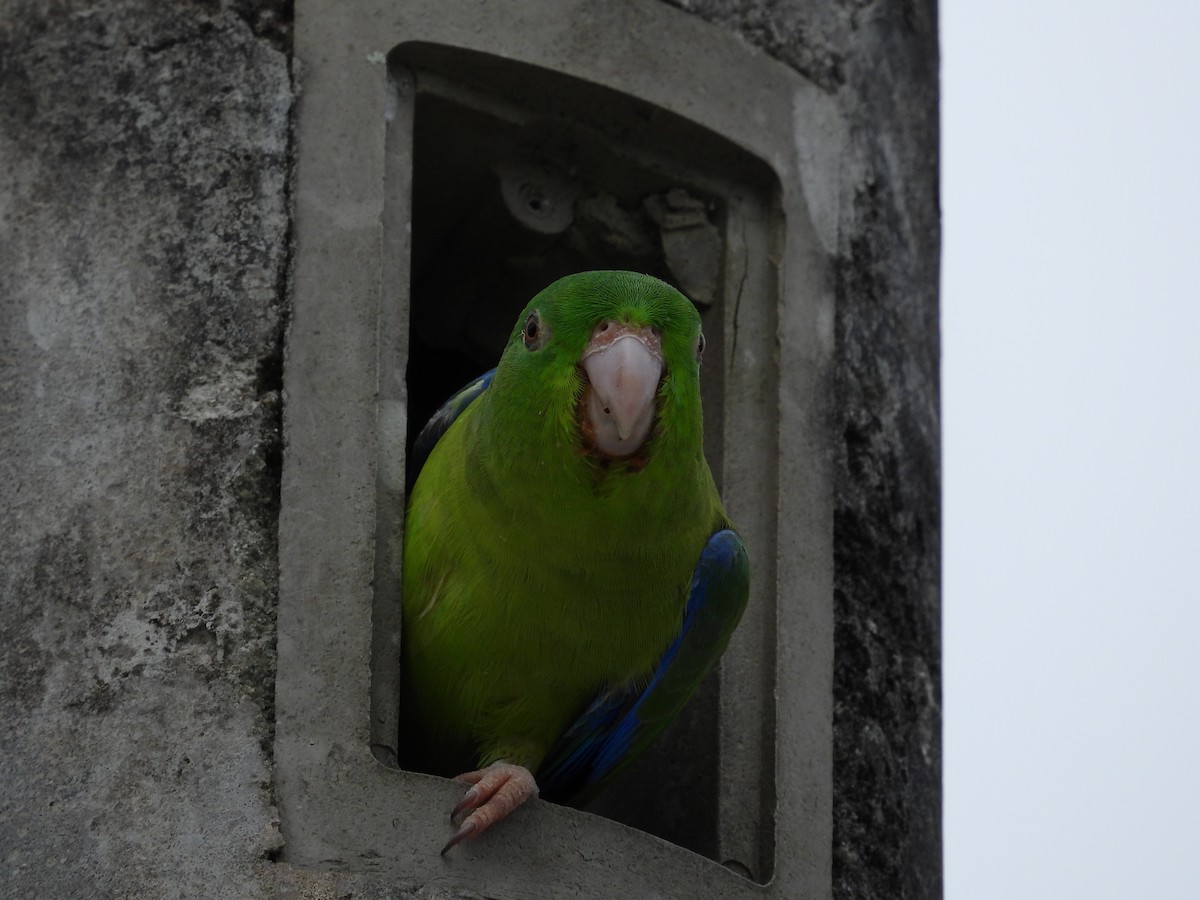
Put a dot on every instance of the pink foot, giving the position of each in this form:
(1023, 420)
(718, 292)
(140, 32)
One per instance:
(495, 792)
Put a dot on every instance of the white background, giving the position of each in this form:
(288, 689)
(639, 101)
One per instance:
(1071, 399)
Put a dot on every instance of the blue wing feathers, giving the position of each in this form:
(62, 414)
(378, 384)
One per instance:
(621, 721)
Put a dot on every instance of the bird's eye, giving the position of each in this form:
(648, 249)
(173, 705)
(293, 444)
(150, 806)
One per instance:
(532, 332)
(700, 347)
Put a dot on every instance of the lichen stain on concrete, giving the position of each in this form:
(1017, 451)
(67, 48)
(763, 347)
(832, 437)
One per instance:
(143, 257)
(225, 391)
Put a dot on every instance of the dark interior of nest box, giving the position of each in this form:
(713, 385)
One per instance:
(507, 196)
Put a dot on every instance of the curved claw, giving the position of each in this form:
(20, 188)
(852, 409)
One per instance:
(495, 792)
(464, 831)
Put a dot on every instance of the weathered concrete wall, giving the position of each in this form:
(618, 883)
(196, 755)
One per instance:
(143, 258)
(881, 61)
(144, 167)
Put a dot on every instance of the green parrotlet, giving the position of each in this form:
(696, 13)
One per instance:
(570, 574)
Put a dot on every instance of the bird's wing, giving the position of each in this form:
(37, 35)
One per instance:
(439, 423)
(622, 721)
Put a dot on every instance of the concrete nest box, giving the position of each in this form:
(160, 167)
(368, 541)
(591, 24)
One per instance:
(453, 159)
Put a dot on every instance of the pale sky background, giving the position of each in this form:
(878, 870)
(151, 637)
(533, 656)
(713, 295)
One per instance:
(1071, 398)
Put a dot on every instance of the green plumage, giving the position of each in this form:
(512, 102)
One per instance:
(537, 572)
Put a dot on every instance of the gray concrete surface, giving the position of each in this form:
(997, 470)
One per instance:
(880, 60)
(144, 257)
(143, 254)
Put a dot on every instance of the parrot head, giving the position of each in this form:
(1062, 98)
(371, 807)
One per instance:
(610, 363)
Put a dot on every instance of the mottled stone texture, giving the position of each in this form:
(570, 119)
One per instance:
(880, 59)
(144, 172)
(144, 166)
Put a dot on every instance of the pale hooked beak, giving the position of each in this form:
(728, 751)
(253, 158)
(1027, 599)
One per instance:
(623, 364)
